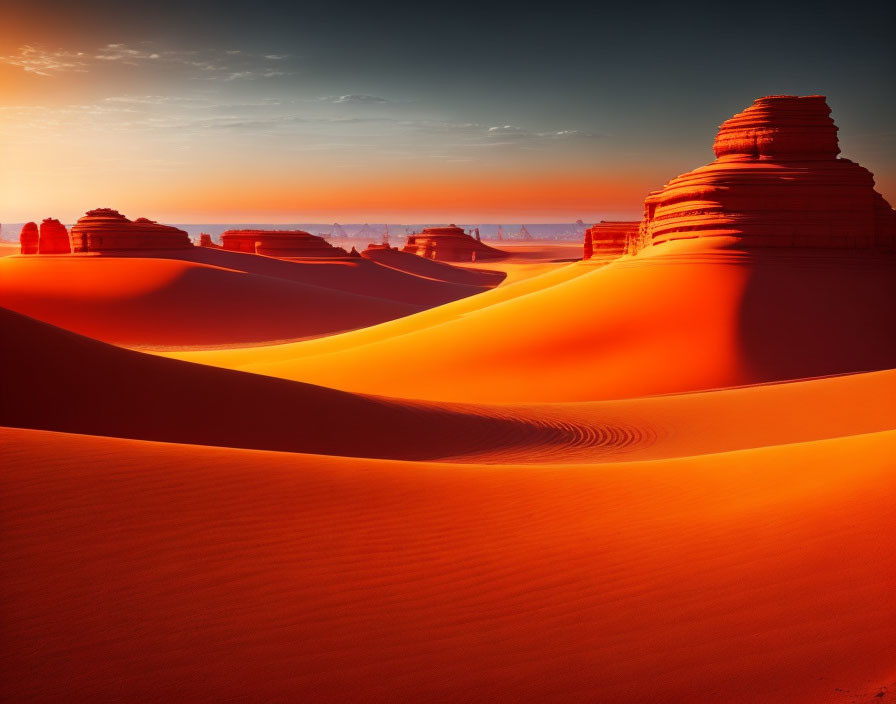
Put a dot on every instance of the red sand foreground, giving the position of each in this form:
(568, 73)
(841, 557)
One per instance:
(669, 478)
(156, 572)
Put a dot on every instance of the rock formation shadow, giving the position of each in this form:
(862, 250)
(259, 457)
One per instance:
(805, 315)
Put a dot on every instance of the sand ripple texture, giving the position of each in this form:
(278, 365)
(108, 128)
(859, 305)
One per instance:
(527, 434)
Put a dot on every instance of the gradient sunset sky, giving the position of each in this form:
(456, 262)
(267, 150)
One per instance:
(426, 112)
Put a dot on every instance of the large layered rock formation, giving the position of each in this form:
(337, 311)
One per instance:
(107, 230)
(608, 238)
(53, 238)
(450, 244)
(284, 244)
(29, 238)
(776, 182)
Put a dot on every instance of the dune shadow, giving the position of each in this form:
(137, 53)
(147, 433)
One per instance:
(56, 380)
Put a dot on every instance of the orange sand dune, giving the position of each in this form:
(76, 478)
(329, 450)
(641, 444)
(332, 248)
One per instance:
(516, 270)
(639, 326)
(531, 259)
(165, 302)
(681, 425)
(138, 571)
(456, 310)
(430, 269)
(543, 250)
(8, 248)
(353, 275)
(56, 380)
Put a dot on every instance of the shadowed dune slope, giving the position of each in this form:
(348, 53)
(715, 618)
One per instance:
(139, 571)
(430, 269)
(639, 326)
(353, 275)
(164, 302)
(56, 380)
(354, 339)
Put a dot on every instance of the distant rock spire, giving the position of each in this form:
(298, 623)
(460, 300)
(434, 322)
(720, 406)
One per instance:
(54, 237)
(29, 238)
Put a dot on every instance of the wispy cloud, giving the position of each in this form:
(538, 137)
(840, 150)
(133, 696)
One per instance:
(517, 132)
(355, 99)
(570, 134)
(227, 65)
(506, 129)
(251, 75)
(43, 62)
(155, 100)
(132, 114)
(476, 135)
(120, 52)
(206, 114)
(293, 125)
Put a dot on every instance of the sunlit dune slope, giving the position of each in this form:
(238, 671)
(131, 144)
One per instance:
(679, 425)
(165, 302)
(516, 270)
(55, 380)
(138, 571)
(430, 269)
(354, 275)
(354, 339)
(8, 248)
(533, 259)
(540, 250)
(635, 327)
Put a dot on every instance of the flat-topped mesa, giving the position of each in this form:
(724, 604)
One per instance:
(283, 244)
(54, 237)
(450, 244)
(608, 238)
(776, 182)
(107, 230)
(29, 238)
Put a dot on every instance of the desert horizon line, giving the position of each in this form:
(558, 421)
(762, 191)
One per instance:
(471, 222)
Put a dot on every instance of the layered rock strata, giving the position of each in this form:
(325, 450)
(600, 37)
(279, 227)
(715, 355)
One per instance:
(107, 230)
(608, 238)
(286, 244)
(776, 182)
(450, 244)
(54, 238)
(29, 238)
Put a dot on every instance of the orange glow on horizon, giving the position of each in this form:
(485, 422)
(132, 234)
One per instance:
(432, 197)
